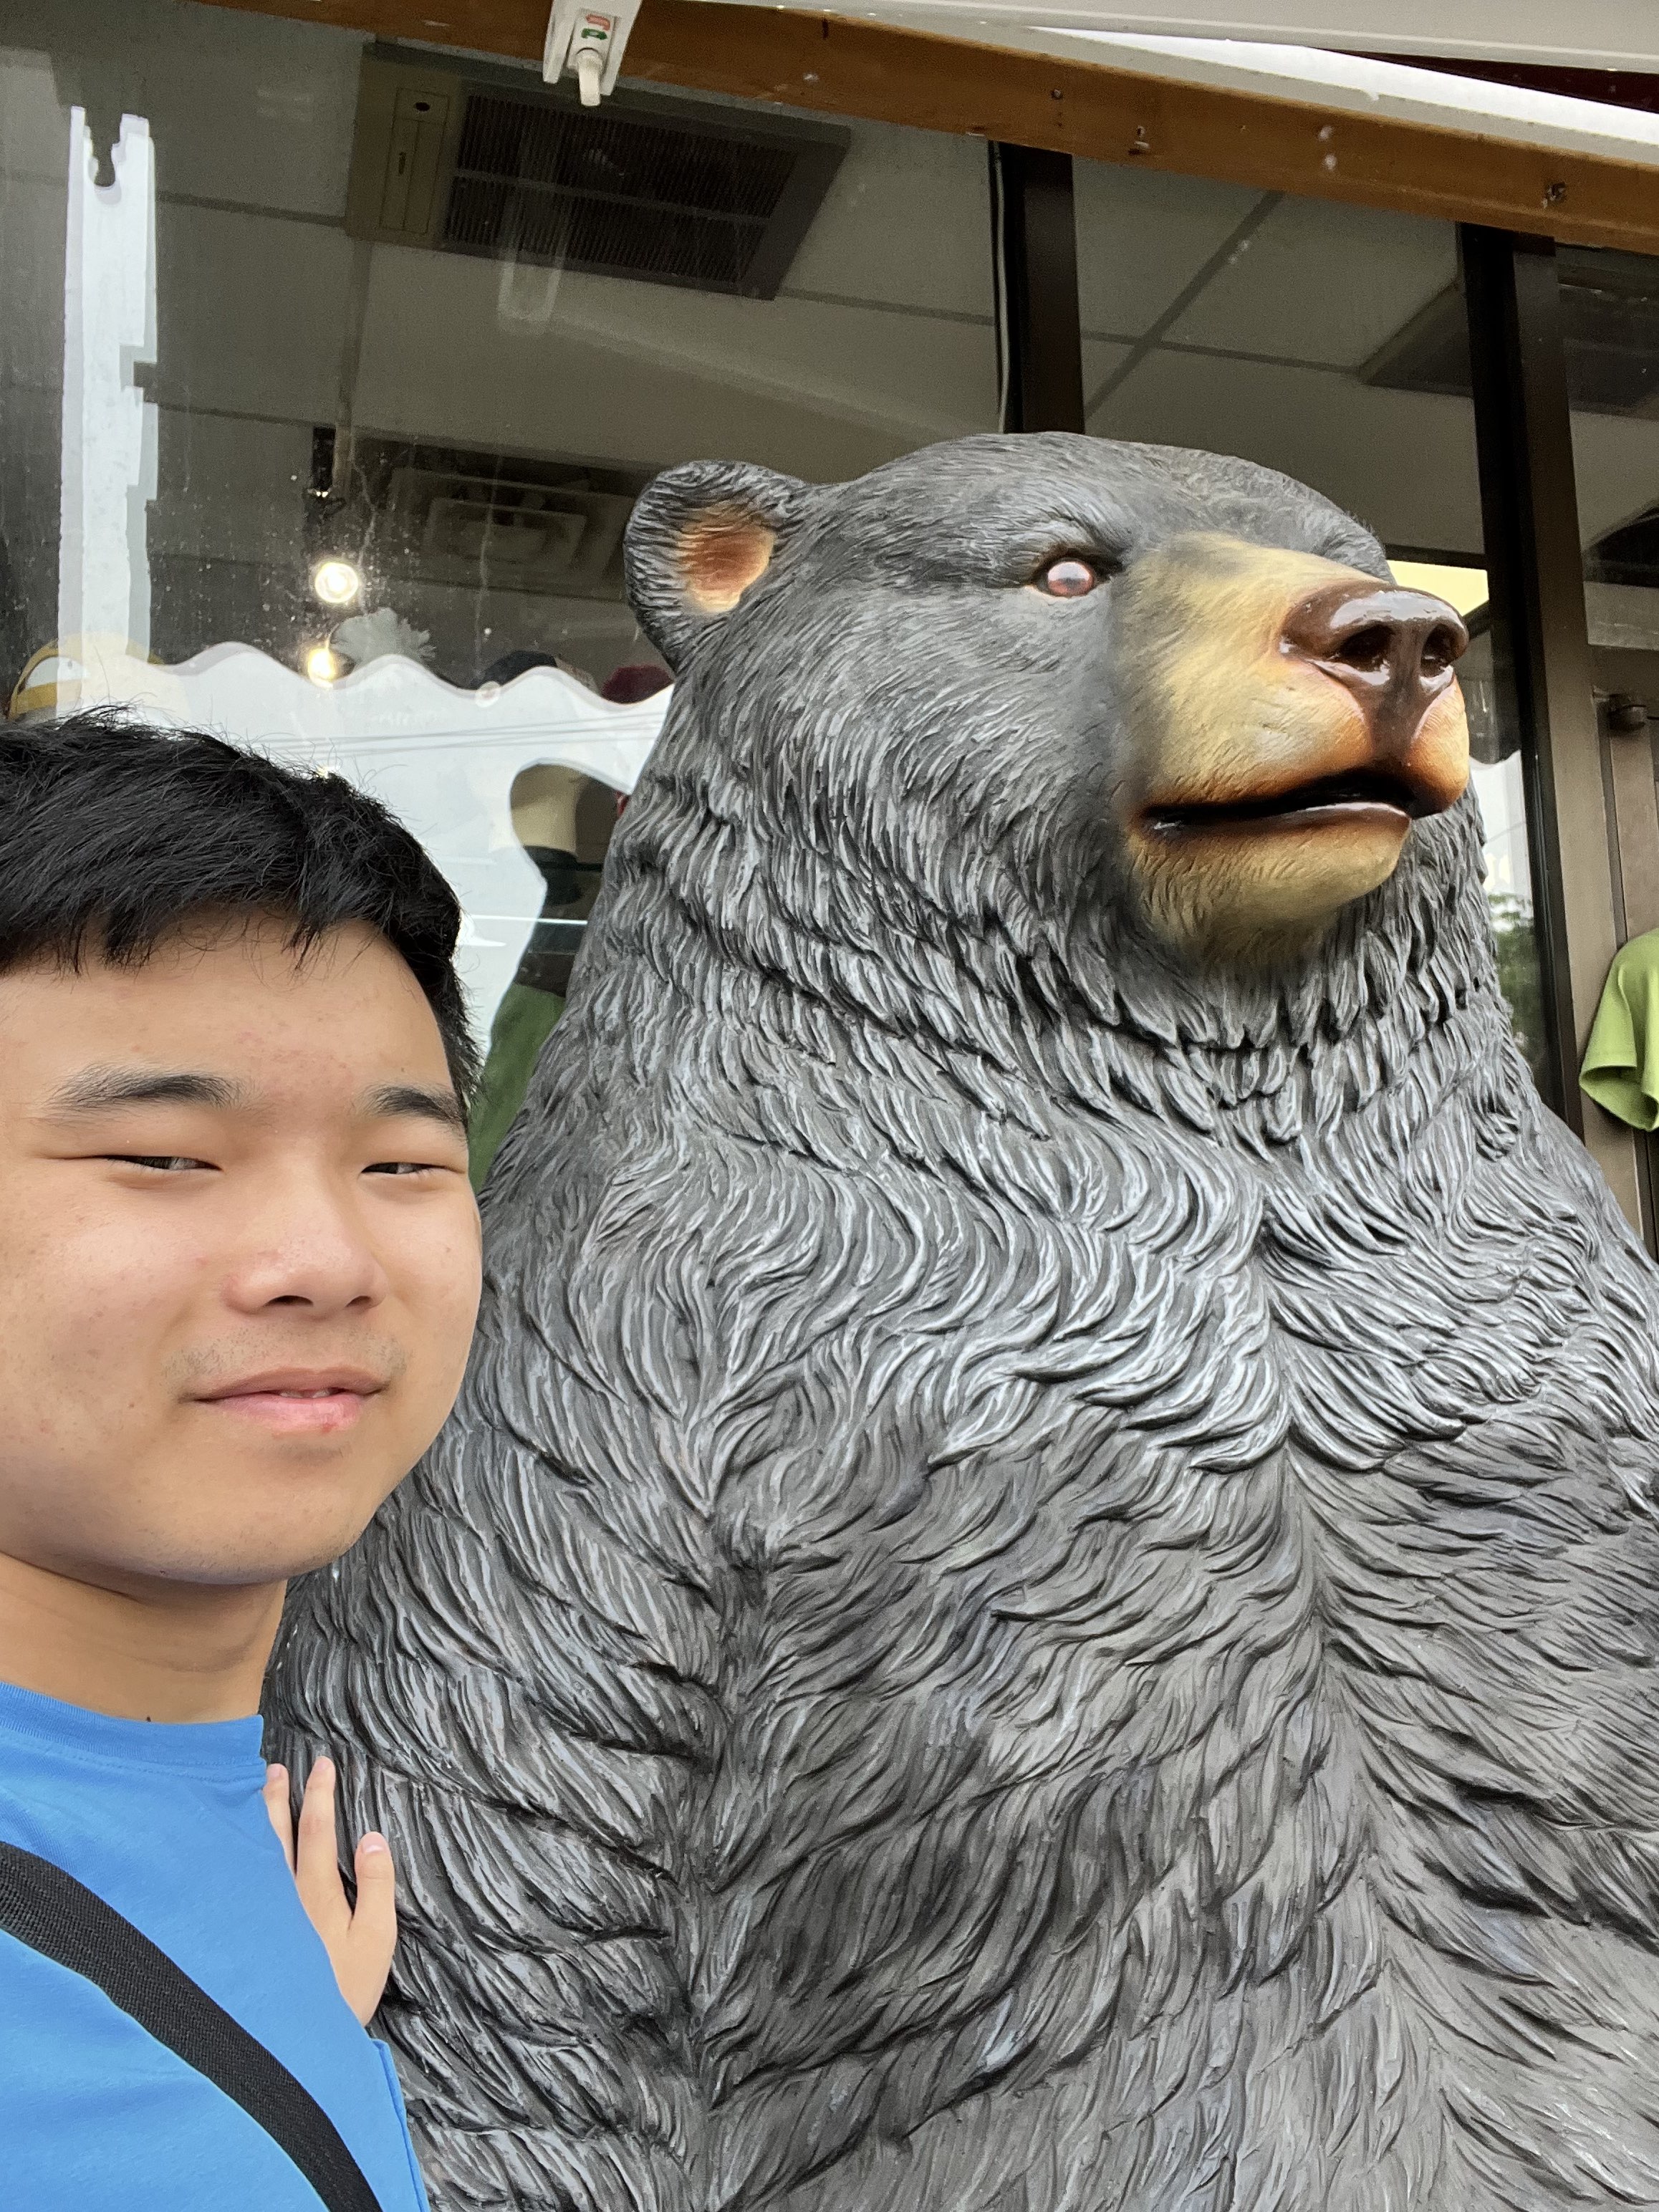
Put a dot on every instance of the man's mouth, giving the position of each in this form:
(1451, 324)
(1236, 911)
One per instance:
(1361, 798)
(291, 1401)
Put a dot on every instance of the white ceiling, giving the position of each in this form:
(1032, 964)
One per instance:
(1320, 283)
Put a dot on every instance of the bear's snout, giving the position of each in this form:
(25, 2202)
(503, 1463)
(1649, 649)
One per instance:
(1285, 720)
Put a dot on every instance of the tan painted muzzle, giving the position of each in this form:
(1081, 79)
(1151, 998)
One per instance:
(1286, 720)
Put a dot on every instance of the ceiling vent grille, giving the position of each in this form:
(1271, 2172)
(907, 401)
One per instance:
(454, 514)
(661, 191)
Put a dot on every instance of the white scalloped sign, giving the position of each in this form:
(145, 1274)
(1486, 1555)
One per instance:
(443, 759)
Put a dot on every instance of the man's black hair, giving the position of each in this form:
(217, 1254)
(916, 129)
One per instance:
(114, 835)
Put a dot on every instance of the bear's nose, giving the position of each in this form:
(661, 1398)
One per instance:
(1393, 650)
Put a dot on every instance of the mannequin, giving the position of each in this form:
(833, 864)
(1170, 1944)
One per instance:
(543, 801)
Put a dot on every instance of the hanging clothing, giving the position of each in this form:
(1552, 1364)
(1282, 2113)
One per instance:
(524, 1022)
(1621, 1060)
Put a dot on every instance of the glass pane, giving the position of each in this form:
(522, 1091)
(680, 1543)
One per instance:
(330, 373)
(1610, 316)
(1328, 342)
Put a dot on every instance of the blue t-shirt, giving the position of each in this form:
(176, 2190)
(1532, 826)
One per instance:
(167, 1824)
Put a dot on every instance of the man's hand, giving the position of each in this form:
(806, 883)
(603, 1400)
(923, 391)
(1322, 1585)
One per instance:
(359, 1944)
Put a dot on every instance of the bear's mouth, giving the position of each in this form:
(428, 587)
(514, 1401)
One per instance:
(1363, 798)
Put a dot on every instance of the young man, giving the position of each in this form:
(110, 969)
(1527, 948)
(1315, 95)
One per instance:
(239, 1269)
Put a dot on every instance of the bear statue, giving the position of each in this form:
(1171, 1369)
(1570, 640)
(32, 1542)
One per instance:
(1043, 1596)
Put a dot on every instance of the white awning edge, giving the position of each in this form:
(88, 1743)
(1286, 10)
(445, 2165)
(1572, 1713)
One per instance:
(1607, 34)
(1313, 74)
(1377, 88)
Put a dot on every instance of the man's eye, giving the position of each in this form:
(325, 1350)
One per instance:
(402, 1167)
(165, 1162)
(1070, 577)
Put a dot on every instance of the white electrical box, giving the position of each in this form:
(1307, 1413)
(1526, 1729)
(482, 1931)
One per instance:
(588, 41)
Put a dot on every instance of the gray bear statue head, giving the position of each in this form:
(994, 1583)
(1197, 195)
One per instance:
(1195, 697)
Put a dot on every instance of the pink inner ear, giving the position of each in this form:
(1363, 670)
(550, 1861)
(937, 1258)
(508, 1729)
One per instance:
(721, 552)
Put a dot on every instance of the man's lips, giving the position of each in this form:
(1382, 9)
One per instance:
(298, 1400)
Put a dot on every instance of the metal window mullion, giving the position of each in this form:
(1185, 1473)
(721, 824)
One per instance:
(1541, 652)
(1034, 250)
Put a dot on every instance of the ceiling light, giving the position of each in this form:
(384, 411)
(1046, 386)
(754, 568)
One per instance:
(336, 583)
(323, 665)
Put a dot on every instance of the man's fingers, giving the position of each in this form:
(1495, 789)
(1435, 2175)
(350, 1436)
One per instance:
(278, 1805)
(376, 1916)
(360, 1943)
(316, 1858)
(373, 1927)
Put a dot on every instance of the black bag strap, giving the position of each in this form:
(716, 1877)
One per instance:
(60, 1918)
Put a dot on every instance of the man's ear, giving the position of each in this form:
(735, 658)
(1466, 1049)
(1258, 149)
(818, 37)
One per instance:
(698, 537)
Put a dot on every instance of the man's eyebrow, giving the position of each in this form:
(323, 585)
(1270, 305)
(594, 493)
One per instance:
(432, 1101)
(97, 1089)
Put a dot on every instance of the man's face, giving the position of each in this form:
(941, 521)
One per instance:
(238, 1255)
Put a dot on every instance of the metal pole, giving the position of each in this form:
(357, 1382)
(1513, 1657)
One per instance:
(1034, 244)
(1541, 652)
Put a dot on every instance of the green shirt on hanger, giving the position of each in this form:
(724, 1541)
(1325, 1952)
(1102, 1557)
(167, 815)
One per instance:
(1621, 1060)
(524, 1022)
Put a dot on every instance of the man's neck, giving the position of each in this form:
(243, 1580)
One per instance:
(166, 1651)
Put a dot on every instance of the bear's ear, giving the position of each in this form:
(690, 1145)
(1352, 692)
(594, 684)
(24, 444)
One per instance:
(697, 538)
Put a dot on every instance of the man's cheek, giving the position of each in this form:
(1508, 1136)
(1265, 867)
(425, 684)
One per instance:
(113, 1291)
(442, 1287)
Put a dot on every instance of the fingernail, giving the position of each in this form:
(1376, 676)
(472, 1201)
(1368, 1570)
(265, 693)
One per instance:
(276, 1772)
(374, 1843)
(325, 1768)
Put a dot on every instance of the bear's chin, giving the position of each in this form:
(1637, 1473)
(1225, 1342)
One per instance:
(1258, 894)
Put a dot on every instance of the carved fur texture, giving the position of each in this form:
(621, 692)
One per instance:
(1043, 1595)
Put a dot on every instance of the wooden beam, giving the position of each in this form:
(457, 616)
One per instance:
(867, 71)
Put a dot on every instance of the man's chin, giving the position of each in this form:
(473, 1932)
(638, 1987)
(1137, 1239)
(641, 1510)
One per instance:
(300, 1553)
(251, 1558)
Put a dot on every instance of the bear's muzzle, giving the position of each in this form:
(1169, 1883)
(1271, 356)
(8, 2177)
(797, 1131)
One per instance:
(1285, 721)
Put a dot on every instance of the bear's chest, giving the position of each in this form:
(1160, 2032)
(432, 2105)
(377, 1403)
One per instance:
(1139, 1606)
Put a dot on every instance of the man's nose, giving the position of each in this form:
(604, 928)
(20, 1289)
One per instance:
(311, 1252)
(1393, 650)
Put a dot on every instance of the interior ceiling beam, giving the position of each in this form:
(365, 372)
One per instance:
(842, 66)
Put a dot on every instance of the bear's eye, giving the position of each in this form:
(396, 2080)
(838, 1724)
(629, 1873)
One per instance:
(1069, 577)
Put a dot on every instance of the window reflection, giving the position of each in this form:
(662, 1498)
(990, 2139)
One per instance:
(402, 359)
(1610, 320)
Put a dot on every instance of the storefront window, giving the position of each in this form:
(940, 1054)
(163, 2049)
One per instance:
(1610, 330)
(1328, 342)
(330, 372)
